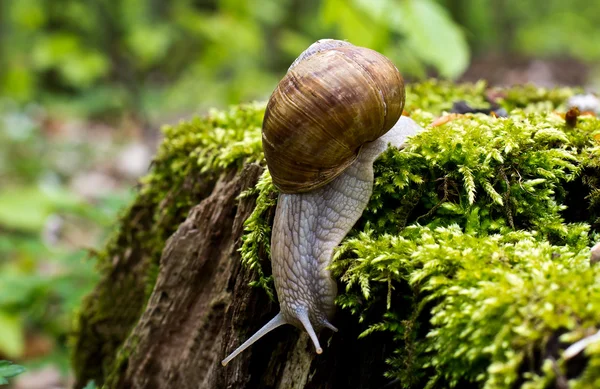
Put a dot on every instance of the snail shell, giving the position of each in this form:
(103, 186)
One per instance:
(334, 98)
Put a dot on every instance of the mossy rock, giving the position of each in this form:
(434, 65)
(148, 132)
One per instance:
(472, 255)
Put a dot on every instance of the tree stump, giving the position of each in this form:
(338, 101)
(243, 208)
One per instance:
(485, 224)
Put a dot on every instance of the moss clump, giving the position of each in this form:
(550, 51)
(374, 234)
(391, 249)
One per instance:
(482, 173)
(493, 303)
(436, 96)
(256, 246)
(531, 98)
(526, 187)
(211, 144)
(466, 250)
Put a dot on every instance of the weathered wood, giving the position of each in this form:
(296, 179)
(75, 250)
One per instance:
(202, 307)
(127, 266)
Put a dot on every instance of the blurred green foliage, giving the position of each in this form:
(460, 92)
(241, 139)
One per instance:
(537, 28)
(44, 224)
(9, 370)
(150, 57)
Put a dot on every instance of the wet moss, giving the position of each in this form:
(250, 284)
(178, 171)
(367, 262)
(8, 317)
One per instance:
(437, 96)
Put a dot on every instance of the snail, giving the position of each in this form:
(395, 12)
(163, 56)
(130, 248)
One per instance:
(330, 117)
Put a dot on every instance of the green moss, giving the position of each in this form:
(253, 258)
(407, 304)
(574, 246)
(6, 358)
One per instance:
(471, 221)
(469, 207)
(256, 241)
(483, 173)
(493, 300)
(211, 144)
(436, 96)
(469, 246)
(532, 98)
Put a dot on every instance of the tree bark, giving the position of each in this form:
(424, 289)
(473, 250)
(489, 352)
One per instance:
(202, 307)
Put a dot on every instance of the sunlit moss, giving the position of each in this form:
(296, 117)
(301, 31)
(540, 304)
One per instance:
(493, 300)
(467, 208)
(437, 96)
(469, 246)
(481, 172)
(532, 98)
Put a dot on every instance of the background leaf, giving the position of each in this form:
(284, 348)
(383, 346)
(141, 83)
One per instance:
(9, 370)
(27, 208)
(434, 37)
(12, 338)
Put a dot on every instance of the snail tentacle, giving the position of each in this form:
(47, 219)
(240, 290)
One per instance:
(302, 316)
(275, 322)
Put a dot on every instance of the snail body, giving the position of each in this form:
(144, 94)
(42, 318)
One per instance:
(326, 180)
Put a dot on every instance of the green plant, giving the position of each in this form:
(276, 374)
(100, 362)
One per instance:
(9, 370)
(44, 272)
(106, 58)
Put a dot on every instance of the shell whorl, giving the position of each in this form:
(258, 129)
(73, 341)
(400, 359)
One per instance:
(334, 98)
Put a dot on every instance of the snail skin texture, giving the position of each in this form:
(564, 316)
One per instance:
(310, 223)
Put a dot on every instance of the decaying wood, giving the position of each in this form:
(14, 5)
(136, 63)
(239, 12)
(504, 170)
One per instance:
(202, 308)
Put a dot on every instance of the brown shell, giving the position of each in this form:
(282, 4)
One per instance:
(334, 98)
